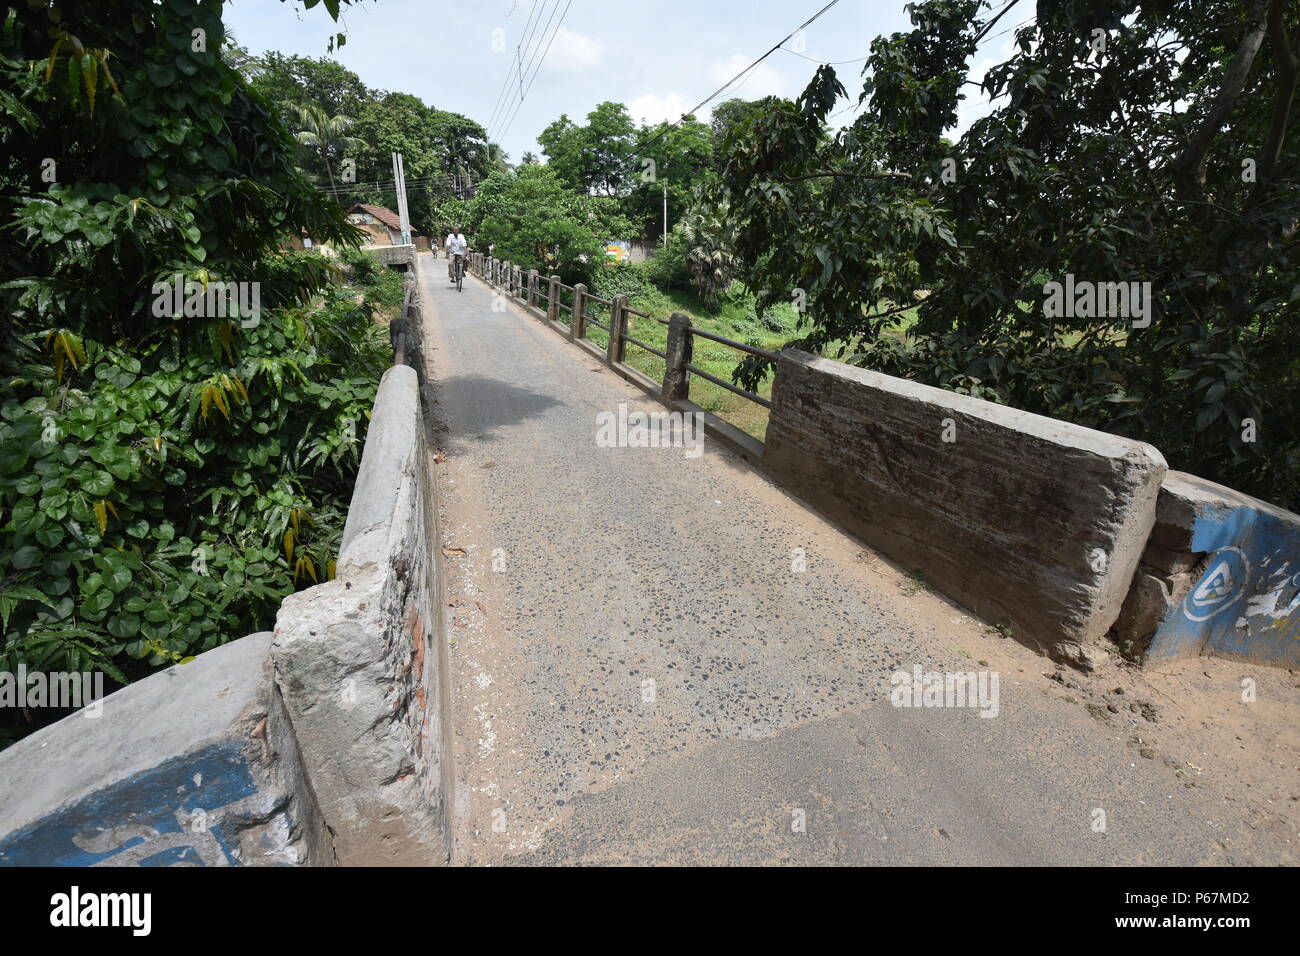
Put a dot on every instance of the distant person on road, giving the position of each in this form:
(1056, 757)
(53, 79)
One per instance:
(456, 246)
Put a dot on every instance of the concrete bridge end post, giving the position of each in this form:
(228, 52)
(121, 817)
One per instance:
(676, 374)
(578, 327)
(532, 287)
(553, 300)
(616, 349)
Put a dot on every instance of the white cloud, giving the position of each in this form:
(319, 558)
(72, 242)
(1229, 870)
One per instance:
(763, 80)
(652, 108)
(571, 51)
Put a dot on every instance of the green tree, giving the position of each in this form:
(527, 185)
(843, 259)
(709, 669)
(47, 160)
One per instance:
(598, 157)
(496, 158)
(136, 436)
(537, 222)
(675, 158)
(294, 81)
(401, 123)
(327, 138)
(463, 149)
(1131, 142)
(733, 118)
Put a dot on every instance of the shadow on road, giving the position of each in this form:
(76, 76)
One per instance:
(485, 404)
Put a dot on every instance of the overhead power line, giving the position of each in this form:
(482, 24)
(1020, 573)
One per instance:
(516, 67)
(722, 89)
(810, 59)
(505, 129)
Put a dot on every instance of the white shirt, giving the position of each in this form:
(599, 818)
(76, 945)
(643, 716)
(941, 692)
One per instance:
(456, 245)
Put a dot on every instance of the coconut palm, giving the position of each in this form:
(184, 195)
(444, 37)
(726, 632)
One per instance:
(326, 135)
(497, 158)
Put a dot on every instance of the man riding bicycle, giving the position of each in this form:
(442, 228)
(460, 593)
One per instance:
(456, 248)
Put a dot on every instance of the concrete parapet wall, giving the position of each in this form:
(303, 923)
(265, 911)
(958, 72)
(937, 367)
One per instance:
(195, 765)
(324, 743)
(359, 662)
(1028, 521)
(394, 255)
(1220, 575)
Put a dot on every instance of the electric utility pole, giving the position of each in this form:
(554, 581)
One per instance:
(399, 183)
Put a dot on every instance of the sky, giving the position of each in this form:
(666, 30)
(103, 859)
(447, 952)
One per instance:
(659, 57)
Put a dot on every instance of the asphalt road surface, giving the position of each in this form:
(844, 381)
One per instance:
(642, 673)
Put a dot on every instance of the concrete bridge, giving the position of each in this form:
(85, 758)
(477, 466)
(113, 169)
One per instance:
(659, 658)
(551, 642)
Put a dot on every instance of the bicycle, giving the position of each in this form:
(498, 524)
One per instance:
(458, 268)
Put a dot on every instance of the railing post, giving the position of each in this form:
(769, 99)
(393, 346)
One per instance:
(616, 349)
(676, 374)
(532, 287)
(553, 300)
(578, 321)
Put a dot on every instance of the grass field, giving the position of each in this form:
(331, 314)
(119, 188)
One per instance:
(733, 318)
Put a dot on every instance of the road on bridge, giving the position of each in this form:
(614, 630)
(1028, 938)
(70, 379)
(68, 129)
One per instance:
(640, 674)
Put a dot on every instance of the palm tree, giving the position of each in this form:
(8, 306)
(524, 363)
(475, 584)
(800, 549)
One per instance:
(326, 135)
(709, 257)
(238, 57)
(496, 158)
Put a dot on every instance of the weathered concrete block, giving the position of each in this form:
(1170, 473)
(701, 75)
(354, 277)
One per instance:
(399, 255)
(360, 663)
(678, 349)
(194, 765)
(1026, 520)
(1244, 599)
(1148, 601)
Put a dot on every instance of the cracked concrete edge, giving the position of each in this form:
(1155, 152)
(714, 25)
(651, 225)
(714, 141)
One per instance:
(360, 662)
(194, 763)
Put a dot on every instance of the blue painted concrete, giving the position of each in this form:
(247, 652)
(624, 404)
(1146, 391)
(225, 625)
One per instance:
(147, 819)
(1246, 603)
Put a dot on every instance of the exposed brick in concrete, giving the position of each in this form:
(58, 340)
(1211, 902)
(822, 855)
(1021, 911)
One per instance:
(1220, 575)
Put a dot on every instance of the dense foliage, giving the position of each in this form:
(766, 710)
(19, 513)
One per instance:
(1130, 142)
(167, 475)
(445, 155)
(536, 222)
(610, 156)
